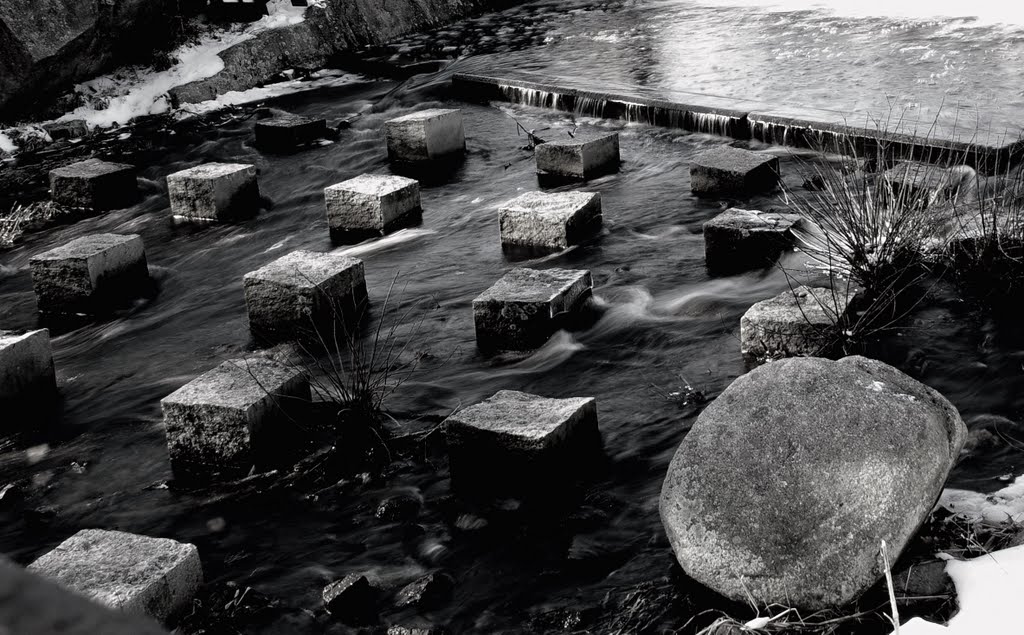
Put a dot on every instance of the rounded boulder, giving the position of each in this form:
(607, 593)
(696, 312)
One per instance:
(787, 484)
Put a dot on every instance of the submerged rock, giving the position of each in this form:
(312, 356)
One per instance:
(430, 591)
(785, 487)
(352, 599)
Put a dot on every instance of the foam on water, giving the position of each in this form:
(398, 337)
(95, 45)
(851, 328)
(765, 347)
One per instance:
(979, 13)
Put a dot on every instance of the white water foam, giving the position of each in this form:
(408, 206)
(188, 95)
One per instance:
(328, 78)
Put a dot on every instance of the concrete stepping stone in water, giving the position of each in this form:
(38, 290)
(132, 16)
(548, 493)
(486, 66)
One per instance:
(26, 369)
(94, 184)
(728, 170)
(285, 133)
(371, 205)
(427, 135)
(230, 418)
(305, 294)
(136, 574)
(924, 184)
(523, 309)
(801, 321)
(579, 158)
(37, 605)
(515, 443)
(738, 239)
(71, 129)
(549, 221)
(91, 274)
(214, 192)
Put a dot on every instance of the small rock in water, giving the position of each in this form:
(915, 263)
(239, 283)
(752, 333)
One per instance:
(351, 599)
(400, 508)
(430, 591)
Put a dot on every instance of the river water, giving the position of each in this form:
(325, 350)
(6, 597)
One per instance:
(663, 318)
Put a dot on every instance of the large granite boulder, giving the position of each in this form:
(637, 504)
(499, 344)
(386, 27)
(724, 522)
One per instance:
(788, 482)
(48, 45)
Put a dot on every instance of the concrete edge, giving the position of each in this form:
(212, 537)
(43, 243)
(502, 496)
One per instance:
(732, 120)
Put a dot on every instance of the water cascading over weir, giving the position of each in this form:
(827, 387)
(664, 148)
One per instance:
(743, 120)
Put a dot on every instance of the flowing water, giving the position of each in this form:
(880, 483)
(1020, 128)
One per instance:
(663, 318)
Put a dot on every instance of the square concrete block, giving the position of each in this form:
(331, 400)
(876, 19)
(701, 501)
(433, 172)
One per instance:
(523, 309)
(551, 221)
(71, 129)
(426, 135)
(803, 321)
(371, 205)
(305, 293)
(90, 274)
(233, 417)
(287, 132)
(728, 170)
(579, 158)
(740, 239)
(923, 184)
(26, 367)
(515, 442)
(94, 184)
(214, 192)
(140, 575)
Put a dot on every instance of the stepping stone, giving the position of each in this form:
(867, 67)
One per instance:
(94, 184)
(371, 205)
(924, 184)
(26, 368)
(304, 294)
(90, 274)
(740, 239)
(426, 135)
(34, 604)
(551, 221)
(71, 129)
(803, 321)
(523, 309)
(214, 192)
(516, 443)
(728, 170)
(579, 158)
(136, 574)
(233, 417)
(287, 132)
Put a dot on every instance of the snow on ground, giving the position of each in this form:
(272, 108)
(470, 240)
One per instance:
(327, 78)
(1005, 505)
(142, 91)
(988, 592)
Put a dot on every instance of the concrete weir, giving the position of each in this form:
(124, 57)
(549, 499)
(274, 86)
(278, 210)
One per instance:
(744, 119)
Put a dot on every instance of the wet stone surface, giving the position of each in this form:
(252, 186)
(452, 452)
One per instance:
(523, 309)
(304, 294)
(233, 416)
(90, 274)
(549, 221)
(728, 170)
(804, 321)
(371, 205)
(583, 157)
(738, 239)
(94, 184)
(425, 135)
(214, 192)
(156, 577)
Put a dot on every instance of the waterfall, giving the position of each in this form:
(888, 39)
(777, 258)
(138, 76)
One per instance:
(531, 96)
(710, 123)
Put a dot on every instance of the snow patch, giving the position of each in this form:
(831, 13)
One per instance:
(321, 79)
(1002, 506)
(988, 592)
(141, 91)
